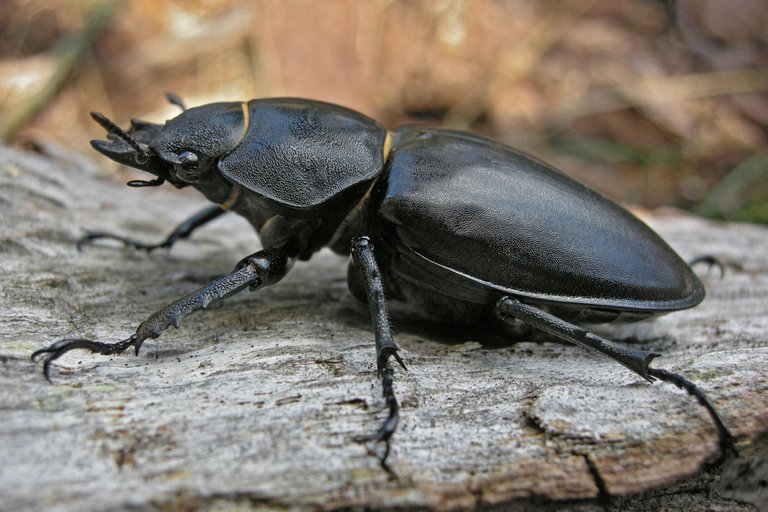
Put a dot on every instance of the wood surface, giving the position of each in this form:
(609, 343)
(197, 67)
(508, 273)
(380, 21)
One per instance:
(254, 402)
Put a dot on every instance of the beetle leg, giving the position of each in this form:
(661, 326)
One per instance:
(509, 309)
(727, 441)
(259, 269)
(635, 360)
(181, 231)
(365, 260)
(711, 261)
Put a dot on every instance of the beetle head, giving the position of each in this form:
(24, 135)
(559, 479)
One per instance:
(183, 151)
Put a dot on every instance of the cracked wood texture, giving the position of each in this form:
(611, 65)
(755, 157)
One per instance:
(254, 402)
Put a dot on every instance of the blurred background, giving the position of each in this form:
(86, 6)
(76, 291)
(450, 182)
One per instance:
(654, 103)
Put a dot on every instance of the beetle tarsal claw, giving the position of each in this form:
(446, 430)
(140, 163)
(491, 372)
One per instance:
(727, 441)
(385, 431)
(61, 347)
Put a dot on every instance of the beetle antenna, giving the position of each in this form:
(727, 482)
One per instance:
(174, 99)
(141, 154)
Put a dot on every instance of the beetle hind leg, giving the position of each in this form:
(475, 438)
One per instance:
(183, 230)
(512, 310)
(727, 441)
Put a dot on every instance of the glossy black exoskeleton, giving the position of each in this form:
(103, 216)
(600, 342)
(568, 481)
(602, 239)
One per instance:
(466, 230)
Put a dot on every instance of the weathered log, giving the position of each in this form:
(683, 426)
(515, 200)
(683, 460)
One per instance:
(256, 401)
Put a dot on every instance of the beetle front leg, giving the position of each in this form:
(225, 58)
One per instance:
(183, 230)
(259, 269)
(508, 309)
(365, 261)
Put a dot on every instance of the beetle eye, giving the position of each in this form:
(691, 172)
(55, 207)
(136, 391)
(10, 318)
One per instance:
(186, 170)
(188, 160)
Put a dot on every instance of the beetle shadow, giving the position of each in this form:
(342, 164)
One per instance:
(447, 333)
(488, 333)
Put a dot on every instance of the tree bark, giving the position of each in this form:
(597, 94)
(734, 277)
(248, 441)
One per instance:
(256, 401)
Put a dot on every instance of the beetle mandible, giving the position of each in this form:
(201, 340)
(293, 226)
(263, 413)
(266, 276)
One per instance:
(465, 230)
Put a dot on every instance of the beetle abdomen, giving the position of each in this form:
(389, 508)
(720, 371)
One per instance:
(490, 214)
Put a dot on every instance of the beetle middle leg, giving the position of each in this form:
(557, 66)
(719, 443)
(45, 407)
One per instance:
(257, 270)
(183, 230)
(365, 261)
(508, 309)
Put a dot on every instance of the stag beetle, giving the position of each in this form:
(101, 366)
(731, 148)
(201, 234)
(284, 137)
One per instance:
(466, 231)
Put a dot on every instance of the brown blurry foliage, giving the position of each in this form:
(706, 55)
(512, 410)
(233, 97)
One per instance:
(654, 103)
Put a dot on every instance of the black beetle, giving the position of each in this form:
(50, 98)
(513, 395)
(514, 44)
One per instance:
(467, 230)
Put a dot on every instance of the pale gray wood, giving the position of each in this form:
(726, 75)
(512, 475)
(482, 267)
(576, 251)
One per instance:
(255, 402)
